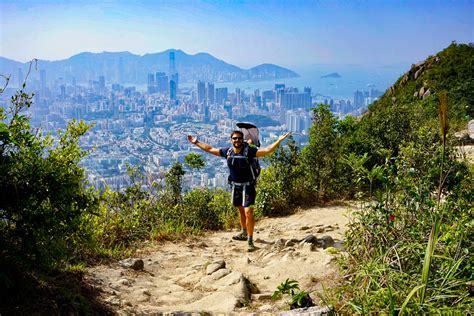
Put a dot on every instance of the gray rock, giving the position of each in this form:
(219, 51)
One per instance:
(418, 72)
(230, 279)
(326, 241)
(422, 91)
(470, 129)
(426, 94)
(216, 265)
(132, 263)
(311, 239)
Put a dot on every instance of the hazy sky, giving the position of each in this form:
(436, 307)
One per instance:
(244, 33)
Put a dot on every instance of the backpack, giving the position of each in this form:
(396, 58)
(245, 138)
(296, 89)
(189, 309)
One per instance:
(255, 168)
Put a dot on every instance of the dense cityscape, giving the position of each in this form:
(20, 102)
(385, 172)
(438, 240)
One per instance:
(148, 128)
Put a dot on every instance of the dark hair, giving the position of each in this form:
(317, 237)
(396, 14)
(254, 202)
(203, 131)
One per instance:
(237, 132)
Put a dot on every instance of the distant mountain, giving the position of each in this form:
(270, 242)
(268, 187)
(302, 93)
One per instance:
(125, 67)
(332, 75)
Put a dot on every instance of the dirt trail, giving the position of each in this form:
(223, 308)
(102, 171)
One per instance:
(216, 274)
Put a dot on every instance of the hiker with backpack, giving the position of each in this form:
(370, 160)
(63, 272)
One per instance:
(241, 159)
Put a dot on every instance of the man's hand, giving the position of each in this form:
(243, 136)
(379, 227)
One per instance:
(282, 137)
(192, 139)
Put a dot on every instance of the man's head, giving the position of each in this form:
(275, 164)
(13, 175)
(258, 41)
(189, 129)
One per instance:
(237, 139)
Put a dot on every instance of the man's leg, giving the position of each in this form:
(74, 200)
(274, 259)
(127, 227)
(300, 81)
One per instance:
(243, 218)
(250, 226)
(250, 223)
(243, 223)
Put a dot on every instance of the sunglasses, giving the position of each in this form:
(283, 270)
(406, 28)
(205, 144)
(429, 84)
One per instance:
(237, 138)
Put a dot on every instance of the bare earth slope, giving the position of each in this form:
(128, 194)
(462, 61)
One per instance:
(215, 274)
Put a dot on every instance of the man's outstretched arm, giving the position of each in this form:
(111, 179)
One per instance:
(271, 148)
(203, 146)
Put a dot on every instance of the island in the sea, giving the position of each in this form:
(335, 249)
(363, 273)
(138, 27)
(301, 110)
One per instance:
(332, 75)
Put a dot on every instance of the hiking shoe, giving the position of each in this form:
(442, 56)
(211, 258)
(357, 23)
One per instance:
(251, 246)
(240, 236)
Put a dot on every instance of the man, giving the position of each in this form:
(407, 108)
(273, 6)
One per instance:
(242, 178)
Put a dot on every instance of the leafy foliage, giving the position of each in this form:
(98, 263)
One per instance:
(297, 299)
(42, 197)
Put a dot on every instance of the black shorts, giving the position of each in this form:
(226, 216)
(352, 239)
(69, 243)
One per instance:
(238, 198)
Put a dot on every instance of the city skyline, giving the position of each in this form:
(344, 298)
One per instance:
(290, 34)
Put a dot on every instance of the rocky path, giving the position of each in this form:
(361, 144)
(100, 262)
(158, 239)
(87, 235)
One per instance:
(215, 274)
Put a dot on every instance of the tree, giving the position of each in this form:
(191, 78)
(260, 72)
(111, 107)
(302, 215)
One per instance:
(321, 155)
(174, 182)
(43, 199)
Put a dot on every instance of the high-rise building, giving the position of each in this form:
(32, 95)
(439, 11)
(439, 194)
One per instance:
(161, 82)
(279, 86)
(237, 95)
(173, 90)
(151, 83)
(268, 95)
(206, 114)
(221, 95)
(172, 63)
(174, 79)
(201, 92)
(210, 93)
(358, 98)
(293, 100)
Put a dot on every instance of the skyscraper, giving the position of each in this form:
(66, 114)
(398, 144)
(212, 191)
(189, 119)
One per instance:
(151, 83)
(172, 63)
(201, 92)
(237, 95)
(174, 79)
(161, 82)
(210, 92)
(221, 95)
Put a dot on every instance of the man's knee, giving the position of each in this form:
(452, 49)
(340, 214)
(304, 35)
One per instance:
(249, 211)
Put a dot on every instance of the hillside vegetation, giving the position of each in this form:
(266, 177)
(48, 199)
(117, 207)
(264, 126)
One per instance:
(409, 248)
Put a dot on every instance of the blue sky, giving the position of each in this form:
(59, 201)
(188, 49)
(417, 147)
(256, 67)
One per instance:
(244, 33)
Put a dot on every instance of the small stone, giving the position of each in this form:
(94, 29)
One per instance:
(305, 228)
(132, 263)
(266, 277)
(216, 265)
(124, 282)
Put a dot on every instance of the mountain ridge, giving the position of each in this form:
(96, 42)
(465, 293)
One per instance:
(126, 67)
